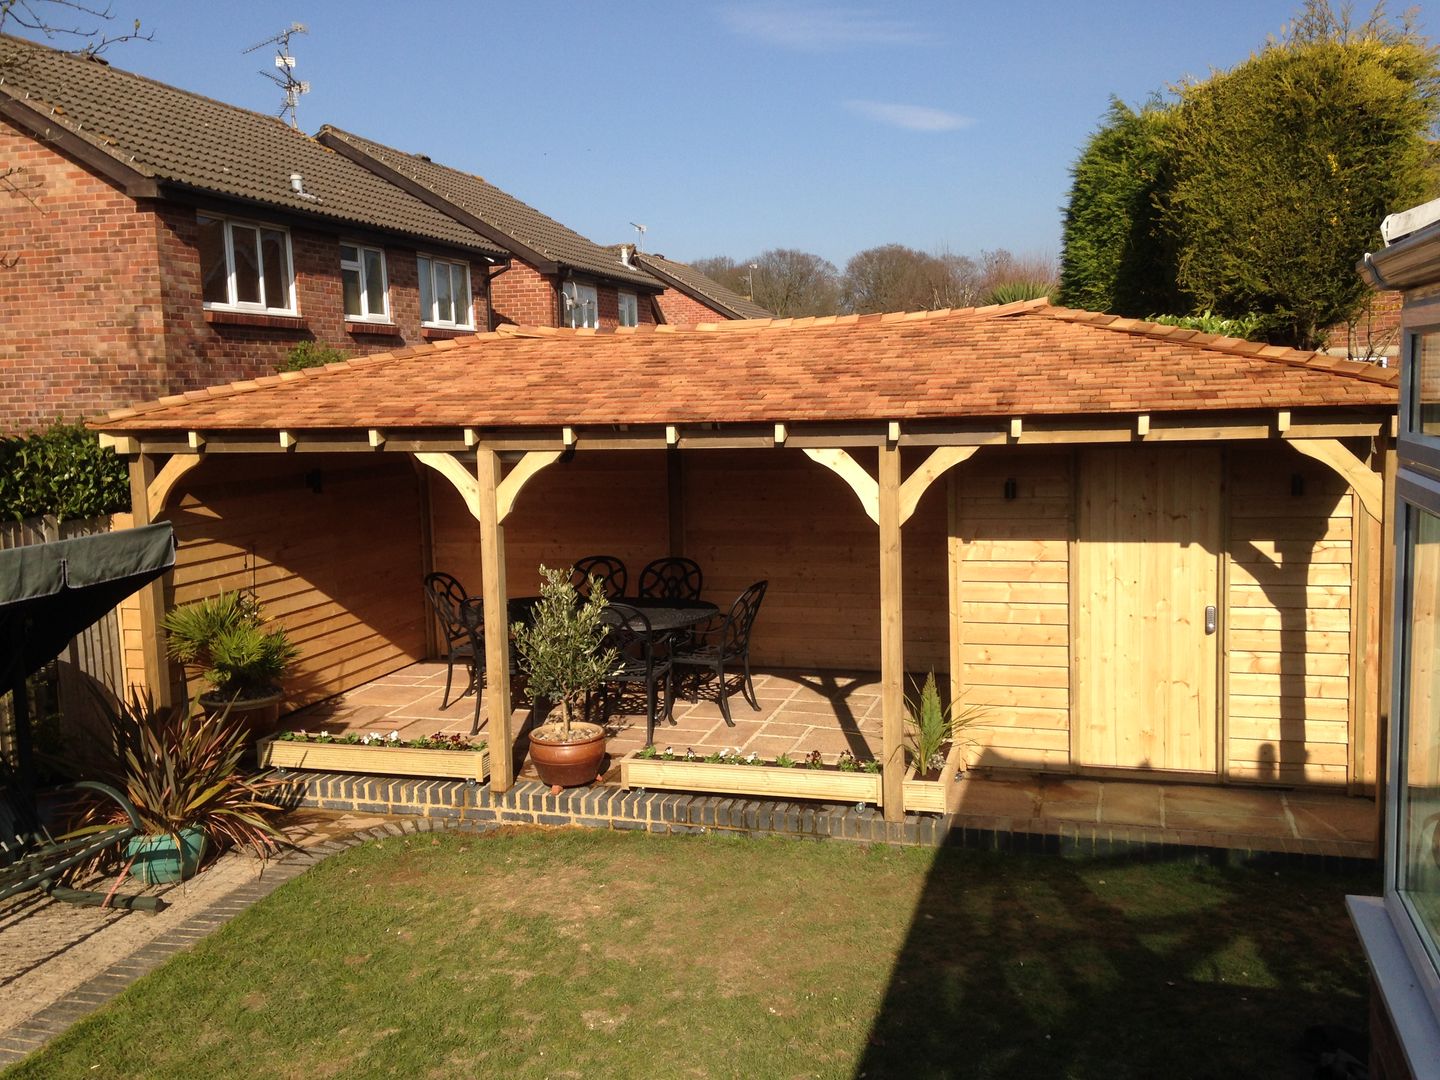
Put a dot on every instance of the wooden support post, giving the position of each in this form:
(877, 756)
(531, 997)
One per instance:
(152, 596)
(497, 621)
(955, 555)
(892, 639)
(675, 500)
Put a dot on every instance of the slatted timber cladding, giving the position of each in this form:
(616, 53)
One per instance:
(1012, 563)
(777, 515)
(340, 568)
(597, 503)
(1290, 638)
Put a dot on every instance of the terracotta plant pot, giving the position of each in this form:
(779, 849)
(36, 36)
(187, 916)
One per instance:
(567, 763)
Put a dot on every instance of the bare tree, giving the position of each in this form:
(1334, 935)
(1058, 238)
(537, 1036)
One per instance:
(893, 277)
(793, 284)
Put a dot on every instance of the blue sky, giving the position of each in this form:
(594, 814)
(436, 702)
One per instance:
(727, 128)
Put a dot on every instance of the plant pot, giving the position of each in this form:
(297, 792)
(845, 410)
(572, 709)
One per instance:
(571, 762)
(259, 715)
(159, 861)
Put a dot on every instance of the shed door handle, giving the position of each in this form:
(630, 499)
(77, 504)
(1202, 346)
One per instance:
(1210, 619)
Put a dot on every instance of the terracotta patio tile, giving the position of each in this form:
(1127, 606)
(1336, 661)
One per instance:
(1343, 819)
(380, 693)
(1070, 800)
(1127, 803)
(997, 798)
(1257, 824)
(769, 746)
(1229, 801)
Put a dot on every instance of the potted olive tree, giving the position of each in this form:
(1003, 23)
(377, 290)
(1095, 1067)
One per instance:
(561, 651)
(225, 636)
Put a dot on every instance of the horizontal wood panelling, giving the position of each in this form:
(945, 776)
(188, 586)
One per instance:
(1289, 634)
(338, 568)
(1014, 606)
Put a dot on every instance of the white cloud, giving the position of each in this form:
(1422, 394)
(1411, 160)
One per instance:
(910, 117)
(818, 29)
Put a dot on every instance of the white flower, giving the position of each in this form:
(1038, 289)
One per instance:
(753, 757)
(394, 736)
(668, 750)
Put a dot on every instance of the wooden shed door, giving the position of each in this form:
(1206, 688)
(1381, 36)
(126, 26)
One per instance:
(1147, 566)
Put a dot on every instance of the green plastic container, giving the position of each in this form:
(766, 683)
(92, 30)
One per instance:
(159, 862)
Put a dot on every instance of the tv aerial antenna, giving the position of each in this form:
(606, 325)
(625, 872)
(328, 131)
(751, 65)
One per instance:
(640, 231)
(284, 74)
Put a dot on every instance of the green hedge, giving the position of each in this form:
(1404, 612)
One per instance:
(63, 472)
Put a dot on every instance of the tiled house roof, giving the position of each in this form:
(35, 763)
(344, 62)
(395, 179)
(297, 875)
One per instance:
(696, 285)
(1025, 359)
(535, 237)
(173, 138)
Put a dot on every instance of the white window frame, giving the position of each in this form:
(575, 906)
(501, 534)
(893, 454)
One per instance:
(358, 265)
(628, 301)
(427, 318)
(582, 305)
(290, 307)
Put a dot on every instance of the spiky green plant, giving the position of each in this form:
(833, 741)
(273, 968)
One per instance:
(181, 769)
(560, 647)
(225, 635)
(1012, 292)
(932, 724)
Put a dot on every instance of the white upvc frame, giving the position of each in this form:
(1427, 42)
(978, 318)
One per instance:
(290, 307)
(426, 264)
(1420, 491)
(628, 302)
(358, 265)
(582, 304)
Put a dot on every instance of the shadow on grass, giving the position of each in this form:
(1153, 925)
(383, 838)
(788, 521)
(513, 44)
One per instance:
(1026, 966)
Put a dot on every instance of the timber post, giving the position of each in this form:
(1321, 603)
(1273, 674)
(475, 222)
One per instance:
(497, 628)
(892, 639)
(152, 595)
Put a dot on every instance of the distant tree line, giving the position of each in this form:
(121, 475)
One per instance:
(891, 277)
(1251, 195)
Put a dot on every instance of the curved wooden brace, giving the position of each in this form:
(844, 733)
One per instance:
(1369, 486)
(941, 460)
(509, 488)
(848, 469)
(449, 466)
(165, 480)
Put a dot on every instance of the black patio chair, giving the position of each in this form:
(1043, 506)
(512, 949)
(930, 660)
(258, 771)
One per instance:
(608, 568)
(672, 578)
(628, 633)
(447, 599)
(30, 858)
(726, 641)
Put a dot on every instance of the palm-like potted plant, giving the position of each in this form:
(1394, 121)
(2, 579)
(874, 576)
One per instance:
(243, 661)
(561, 651)
(934, 728)
(181, 769)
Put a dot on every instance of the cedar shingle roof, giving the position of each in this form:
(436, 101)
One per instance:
(698, 287)
(173, 136)
(515, 224)
(1026, 359)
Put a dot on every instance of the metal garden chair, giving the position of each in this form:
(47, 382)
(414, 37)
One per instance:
(726, 642)
(629, 634)
(610, 569)
(672, 578)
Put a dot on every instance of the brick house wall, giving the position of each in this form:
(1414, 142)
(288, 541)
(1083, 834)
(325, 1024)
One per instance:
(103, 308)
(81, 302)
(524, 296)
(676, 307)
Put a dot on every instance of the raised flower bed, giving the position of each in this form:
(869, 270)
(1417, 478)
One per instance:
(439, 757)
(731, 773)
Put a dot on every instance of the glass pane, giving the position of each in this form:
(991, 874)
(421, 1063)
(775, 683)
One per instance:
(374, 283)
(214, 272)
(444, 309)
(1418, 872)
(460, 283)
(276, 260)
(427, 293)
(348, 254)
(350, 286)
(247, 264)
(1426, 411)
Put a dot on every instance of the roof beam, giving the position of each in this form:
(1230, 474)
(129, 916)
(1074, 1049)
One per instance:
(1369, 486)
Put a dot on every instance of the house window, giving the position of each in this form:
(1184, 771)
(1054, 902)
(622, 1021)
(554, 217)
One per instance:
(245, 265)
(445, 293)
(362, 281)
(629, 310)
(582, 305)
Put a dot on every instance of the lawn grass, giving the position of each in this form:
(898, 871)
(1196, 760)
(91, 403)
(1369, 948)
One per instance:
(571, 953)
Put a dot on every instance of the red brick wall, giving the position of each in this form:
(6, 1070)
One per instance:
(103, 306)
(81, 303)
(524, 296)
(678, 308)
(206, 353)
